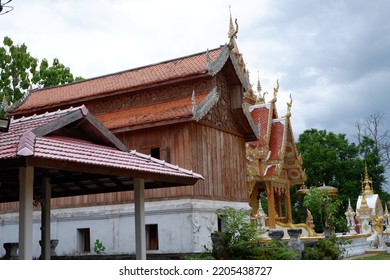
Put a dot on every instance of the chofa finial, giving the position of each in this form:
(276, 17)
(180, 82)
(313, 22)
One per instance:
(274, 99)
(232, 31)
(289, 105)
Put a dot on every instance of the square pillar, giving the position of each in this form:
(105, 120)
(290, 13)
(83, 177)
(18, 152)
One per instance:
(139, 201)
(45, 219)
(26, 184)
(287, 206)
(271, 206)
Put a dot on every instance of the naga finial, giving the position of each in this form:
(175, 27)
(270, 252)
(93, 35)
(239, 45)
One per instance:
(289, 105)
(274, 99)
(264, 94)
(232, 32)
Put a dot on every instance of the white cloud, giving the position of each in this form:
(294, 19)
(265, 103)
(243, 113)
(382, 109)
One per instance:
(331, 55)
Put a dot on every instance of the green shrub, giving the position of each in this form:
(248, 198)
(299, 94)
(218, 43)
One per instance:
(98, 247)
(325, 249)
(262, 250)
(241, 240)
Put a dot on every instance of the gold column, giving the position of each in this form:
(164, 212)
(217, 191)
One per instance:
(278, 204)
(271, 206)
(287, 205)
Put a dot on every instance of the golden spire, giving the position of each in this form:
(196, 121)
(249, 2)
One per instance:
(258, 84)
(367, 183)
(260, 97)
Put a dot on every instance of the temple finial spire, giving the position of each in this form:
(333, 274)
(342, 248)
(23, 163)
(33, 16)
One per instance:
(367, 183)
(231, 27)
(260, 97)
(232, 34)
(289, 105)
(276, 90)
(258, 84)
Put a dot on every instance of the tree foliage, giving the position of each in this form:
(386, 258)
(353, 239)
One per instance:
(372, 127)
(326, 210)
(330, 159)
(21, 72)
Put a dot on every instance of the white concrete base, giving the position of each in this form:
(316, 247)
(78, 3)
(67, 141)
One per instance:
(358, 245)
(184, 226)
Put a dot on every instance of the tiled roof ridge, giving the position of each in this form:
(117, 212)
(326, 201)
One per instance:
(164, 163)
(83, 109)
(252, 122)
(26, 144)
(31, 137)
(258, 106)
(281, 120)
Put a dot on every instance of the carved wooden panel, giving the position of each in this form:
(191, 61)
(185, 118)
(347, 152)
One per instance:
(149, 96)
(221, 115)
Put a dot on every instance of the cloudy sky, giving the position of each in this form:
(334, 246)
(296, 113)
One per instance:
(332, 56)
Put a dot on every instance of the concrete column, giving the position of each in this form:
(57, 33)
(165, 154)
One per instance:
(45, 220)
(26, 183)
(139, 201)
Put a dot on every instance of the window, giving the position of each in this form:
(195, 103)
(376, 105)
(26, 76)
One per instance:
(151, 232)
(155, 152)
(161, 153)
(84, 240)
(221, 227)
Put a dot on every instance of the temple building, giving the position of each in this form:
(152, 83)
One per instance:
(198, 112)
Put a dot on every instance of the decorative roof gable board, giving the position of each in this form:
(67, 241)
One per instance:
(200, 110)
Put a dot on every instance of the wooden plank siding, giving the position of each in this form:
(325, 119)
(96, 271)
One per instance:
(219, 158)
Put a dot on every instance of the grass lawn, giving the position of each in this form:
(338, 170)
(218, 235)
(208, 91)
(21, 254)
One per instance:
(374, 257)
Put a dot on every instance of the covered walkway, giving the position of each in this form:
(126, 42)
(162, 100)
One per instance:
(69, 153)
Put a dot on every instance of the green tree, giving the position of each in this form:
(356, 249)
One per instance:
(372, 127)
(330, 159)
(325, 209)
(21, 72)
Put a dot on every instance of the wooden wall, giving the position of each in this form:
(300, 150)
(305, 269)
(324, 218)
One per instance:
(220, 157)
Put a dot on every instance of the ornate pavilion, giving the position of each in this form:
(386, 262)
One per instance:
(273, 162)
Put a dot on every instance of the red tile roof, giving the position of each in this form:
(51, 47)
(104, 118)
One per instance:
(276, 146)
(171, 110)
(185, 67)
(276, 140)
(21, 141)
(81, 151)
(261, 116)
(9, 141)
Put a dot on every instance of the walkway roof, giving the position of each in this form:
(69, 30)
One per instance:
(79, 155)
